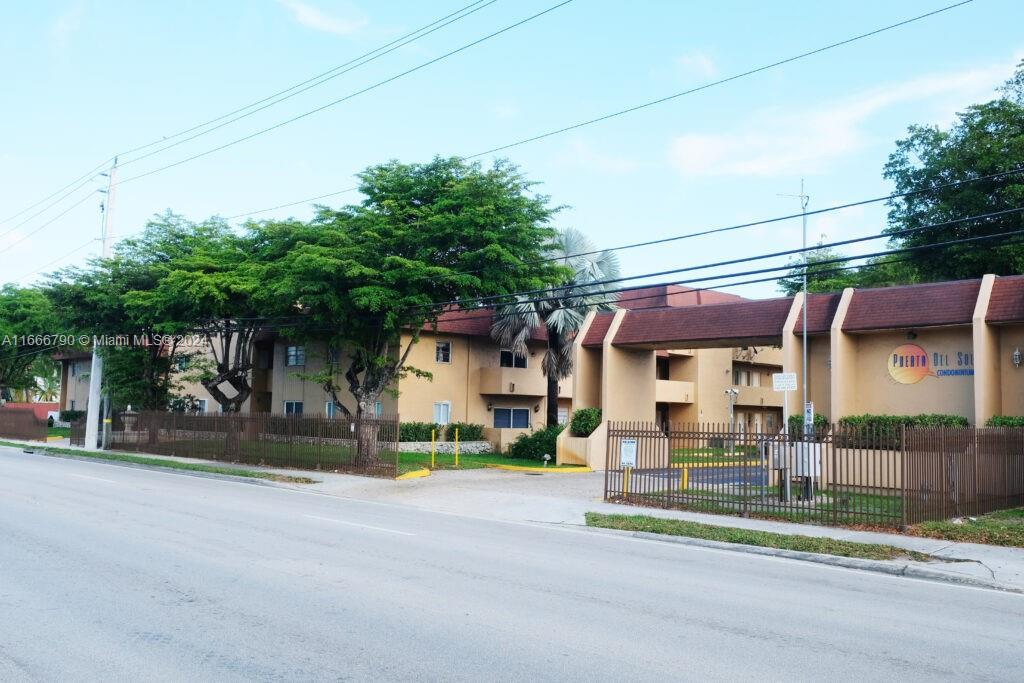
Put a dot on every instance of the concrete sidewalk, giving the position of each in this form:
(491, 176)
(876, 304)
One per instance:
(565, 498)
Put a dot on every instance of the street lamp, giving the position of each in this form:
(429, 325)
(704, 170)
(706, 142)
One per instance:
(731, 395)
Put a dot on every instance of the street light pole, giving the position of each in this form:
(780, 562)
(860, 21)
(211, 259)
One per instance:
(804, 201)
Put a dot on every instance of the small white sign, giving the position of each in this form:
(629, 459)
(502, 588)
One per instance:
(784, 381)
(627, 453)
(809, 415)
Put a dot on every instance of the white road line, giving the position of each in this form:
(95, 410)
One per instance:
(86, 476)
(361, 526)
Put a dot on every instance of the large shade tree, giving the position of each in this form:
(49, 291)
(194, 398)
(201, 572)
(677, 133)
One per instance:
(360, 277)
(207, 287)
(561, 312)
(985, 139)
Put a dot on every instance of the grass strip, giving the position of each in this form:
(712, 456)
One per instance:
(446, 461)
(763, 539)
(1005, 528)
(167, 464)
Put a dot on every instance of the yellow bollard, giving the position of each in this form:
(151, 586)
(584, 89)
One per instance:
(625, 480)
(684, 478)
(456, 448)
(433, 448)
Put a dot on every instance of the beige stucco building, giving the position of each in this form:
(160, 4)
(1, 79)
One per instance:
(947, 347)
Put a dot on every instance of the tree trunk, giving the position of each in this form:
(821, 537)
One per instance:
(552, 400)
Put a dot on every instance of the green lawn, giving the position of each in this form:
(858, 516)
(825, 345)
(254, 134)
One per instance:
(62, 432)
(169, 464)
(1005, 527)
(413, 461)
(764, 539)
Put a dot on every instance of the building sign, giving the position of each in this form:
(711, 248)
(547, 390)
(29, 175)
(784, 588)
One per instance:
(910, 363)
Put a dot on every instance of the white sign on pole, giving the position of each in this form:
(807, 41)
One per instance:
(809, 415)
(627, 453)
(784, 381)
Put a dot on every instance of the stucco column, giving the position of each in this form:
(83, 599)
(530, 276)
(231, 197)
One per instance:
(792, 354)
(628, 378)
(586, 369)
(987, 391)
(844, 363)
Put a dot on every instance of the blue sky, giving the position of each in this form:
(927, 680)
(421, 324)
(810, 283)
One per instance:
(84, 79)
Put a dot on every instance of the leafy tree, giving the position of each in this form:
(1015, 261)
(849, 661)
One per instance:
(95, 301)
(24, 313)
(560, 313)
(821, 277)
(207, 285)
(359, 277)
(985, 139)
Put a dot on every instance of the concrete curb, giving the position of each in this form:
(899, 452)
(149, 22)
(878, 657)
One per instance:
(540, 470)
(893, 568)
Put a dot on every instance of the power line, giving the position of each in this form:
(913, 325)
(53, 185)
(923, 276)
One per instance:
(297, 89)
(645, 105)
(352, 95)
(43, 225)
(319, 79)
(787, 252)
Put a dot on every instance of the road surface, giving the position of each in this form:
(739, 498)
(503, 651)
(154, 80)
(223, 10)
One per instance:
(118, 573)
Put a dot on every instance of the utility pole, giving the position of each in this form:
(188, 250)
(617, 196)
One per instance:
(92, 416)
(804, 201)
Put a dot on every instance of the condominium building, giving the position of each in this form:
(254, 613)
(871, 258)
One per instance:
(473, 379)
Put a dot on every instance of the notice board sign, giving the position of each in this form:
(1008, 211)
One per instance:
(627, 452)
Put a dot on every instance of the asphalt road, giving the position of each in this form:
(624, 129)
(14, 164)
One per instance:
(116, 573)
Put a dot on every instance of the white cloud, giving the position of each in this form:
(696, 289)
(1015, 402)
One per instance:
(806, 140)
(697, 63)
(317, 19)
(66, 24)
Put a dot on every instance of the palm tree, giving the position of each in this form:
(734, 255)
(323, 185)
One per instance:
(562, 311)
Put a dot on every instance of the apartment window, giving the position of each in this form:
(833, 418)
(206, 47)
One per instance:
(201, 405)
(514, 418)
(293, 407)
(329, 408)
(511, 360)
(443, 351)
(378, 409)
(295, 355)
(182, 363)
(740, 378)
(443, 412)
(72, 404)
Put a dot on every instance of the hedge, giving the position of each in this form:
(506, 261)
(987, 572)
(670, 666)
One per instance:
(585, 421)
(468, 431)
(884, 422)
(1005, 421)
(71, 415)
(419, 431)
(536, 445)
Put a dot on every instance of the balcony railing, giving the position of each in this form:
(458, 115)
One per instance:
(512, 382)
(759, 396)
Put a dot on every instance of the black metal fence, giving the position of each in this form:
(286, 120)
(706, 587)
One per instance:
(838, 476)
(77, 436)
(340, 444)
(17, 423)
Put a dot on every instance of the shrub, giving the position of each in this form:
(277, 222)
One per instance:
(585, 421)
(468, 431)
(536, 445)
(1005, 421)
(419, 431)
(796, 424)
(71, 415)
(889, 422)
